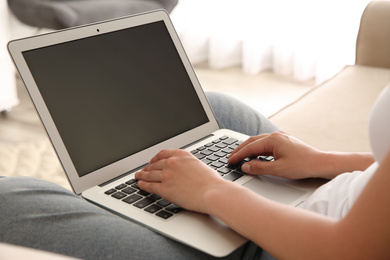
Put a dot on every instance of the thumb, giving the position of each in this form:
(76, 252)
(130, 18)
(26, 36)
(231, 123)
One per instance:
(257, 167)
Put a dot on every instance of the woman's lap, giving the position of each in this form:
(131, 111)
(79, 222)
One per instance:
(45, 216)
(235, 115)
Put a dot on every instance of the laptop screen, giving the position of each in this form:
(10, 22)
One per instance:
(115, 94)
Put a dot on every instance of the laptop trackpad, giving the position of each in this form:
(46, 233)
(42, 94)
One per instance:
(274, 190)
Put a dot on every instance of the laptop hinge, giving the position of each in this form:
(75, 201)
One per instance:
(122, 175)
(197, 141)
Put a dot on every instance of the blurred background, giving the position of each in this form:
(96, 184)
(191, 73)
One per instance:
(265, 53)
(297, 42)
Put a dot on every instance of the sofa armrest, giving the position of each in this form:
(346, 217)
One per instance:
(334, 116)
(373, 41)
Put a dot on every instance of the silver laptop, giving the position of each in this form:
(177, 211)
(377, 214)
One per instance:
(113, 94)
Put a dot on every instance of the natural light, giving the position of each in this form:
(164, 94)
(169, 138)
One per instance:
(303, 39)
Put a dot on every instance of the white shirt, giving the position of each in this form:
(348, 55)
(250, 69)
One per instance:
(336, 197)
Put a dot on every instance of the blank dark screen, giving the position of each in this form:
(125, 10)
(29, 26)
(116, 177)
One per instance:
(115, 94)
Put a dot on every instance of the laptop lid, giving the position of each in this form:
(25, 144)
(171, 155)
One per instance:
(112, 94)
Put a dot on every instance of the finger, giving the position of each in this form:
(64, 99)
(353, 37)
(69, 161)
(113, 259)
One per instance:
(260, 146)
(246, 142)
(155, 165)
(168, 153)
(275, 168)
(257, 167)
(243, 144)
(151, 187)
(149, 176)
(163, 154)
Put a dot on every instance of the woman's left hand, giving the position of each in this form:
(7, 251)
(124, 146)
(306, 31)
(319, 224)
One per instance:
(179, 177)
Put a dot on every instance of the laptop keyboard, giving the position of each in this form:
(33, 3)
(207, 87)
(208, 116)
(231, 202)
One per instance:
(215, 154)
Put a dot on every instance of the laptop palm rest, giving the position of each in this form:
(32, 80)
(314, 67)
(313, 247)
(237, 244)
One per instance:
(274, 190)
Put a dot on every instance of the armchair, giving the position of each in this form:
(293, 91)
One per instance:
(59, 14)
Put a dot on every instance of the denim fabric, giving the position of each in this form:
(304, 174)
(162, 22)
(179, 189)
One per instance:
(235, 115)
(45, 216)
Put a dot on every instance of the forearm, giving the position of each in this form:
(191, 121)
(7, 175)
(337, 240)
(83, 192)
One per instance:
(330, 164)
(283, 231)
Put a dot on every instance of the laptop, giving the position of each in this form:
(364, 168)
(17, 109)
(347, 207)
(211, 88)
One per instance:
(113, 94)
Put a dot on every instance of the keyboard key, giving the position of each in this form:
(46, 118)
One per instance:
(217, 164)
(129, 190)
(110, 191)
(228, 150)
(154, 196)
(163, 203)
(206, 161)
(233, 146)
(235, 166)
(130, 182)
(119, 195)
(220, 154)
(143, 193)
(224, 170)
(216, 141)
(201, 148)
(206, 152)
(199, 156)
(224, 160)
(214, 149)
(144, 202)
(229, 141)
(164, 214)
(174, 209)
(266, 158)
(233, 176)
(153, 208)
(221, 145)
(119, 187)
(132, 198)
(213, 157)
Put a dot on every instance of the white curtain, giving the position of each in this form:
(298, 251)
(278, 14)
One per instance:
(304, 39)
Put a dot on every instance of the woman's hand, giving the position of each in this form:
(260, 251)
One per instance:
(179, 177)
(293, 159)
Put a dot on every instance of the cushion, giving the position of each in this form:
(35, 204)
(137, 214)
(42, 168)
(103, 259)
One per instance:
(334, 116)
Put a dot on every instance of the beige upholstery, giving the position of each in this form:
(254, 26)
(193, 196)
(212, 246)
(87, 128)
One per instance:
(373, 42)
(334, 116)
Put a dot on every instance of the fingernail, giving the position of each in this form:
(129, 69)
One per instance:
(246, 168)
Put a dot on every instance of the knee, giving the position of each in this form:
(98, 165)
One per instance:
(14, 188)
(22, 182)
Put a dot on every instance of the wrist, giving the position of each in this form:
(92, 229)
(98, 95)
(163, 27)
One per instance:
(331, 164)
(218, 198)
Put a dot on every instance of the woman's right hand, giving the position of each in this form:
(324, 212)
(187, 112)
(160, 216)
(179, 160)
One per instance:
(293, 159)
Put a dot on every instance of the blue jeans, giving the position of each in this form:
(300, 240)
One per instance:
(43, 215)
